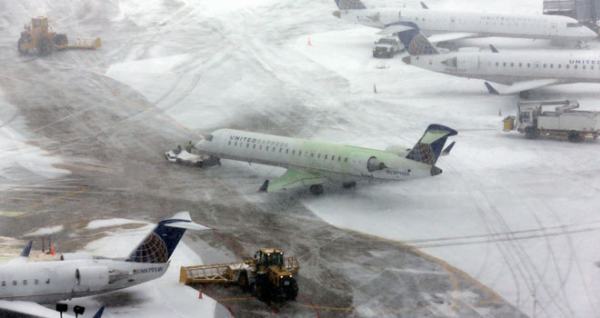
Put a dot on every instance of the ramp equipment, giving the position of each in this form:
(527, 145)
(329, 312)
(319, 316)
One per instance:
(39, 38)
(564, 122)
(269, 275)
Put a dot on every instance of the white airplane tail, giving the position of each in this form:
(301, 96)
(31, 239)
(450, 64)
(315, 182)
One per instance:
(159, 245)
(429, 148)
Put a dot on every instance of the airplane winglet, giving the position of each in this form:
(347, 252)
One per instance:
(494, 49)
(424, 5)
(99, 313)
(491, 89)
(27, 249)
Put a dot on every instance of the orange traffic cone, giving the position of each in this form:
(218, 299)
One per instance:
(52, 250)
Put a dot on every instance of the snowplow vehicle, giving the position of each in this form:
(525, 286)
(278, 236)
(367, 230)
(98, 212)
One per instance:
(269, 275)
(39, 38)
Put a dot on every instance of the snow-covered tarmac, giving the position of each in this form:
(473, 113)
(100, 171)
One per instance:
(518, 215)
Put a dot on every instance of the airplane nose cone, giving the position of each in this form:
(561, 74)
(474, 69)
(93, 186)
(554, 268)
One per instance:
(337, 14)
(406, 60)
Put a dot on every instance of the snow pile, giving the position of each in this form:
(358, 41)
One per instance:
(45, 231)
(98, 224)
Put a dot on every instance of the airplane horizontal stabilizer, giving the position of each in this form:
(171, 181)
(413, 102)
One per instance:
(350, 5)
(515, 88)
(294, 178)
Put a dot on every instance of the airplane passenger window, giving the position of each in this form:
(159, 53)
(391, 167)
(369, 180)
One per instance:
(36, 281)
(567, 66)
(583, 67)
(339, 159)
(24, 282)
(575, 66)
(229, 143)
(312, 154)
(319, 156)
(504, 64)
(559, 65)
(254, 146)
(293, 152)
(520, 64)
(325, 157)
(247, 145)
(497, 64)
(287, 151)
(332, 158)
(14, 283)
(300, 153)
(3, 284)
(267, 148)
(528, 65)
(551, 65)
(346, 159)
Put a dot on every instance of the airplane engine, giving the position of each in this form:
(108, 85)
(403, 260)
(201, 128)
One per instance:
(373, 164)
(91, 278)
(75, 256)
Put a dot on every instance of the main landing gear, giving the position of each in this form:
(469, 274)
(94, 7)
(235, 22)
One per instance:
(316, 189)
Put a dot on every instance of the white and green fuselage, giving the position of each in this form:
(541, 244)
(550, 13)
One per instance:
(313, 163)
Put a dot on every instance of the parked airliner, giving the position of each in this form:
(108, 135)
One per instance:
(311, 164)
(444, 25)
(506, 72)
(79, 275)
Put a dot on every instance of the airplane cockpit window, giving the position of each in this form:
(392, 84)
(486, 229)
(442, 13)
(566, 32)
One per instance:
(209, 138)
(574, 25)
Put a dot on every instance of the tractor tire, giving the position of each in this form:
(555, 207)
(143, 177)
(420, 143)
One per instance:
(262, 288)
(575, 136)
(20, 44)
(531, 133)
(316, 189)
(60, 40)
(291, 291)
(243, 281)
(45, 47)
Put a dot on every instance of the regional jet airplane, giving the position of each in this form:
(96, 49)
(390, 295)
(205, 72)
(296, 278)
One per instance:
(79, 275)
(443, 26)
(311, 164)
(507, 72)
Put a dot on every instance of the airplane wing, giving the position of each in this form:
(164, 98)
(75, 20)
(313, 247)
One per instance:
(436, 38)
(498, 89)
(35, 310)
(294, 178)
(444, 37)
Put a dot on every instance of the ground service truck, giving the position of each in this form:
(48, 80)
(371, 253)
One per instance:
(563, 122)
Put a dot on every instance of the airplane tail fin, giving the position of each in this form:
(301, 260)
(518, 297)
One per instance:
(159, 245)
(350, 5)
(430, 146)
(26, 250)
(416, 43)
(99, 313)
